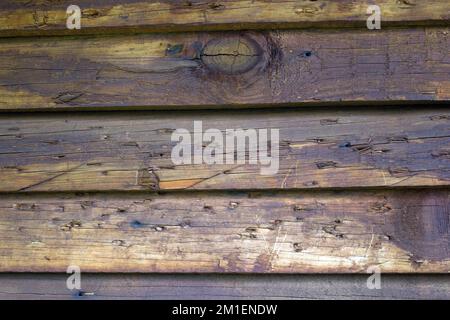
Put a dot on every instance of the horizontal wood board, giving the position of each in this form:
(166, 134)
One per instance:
(397, 231)
(318, 148)
(38, 17)
(217, 287)
(226, 70)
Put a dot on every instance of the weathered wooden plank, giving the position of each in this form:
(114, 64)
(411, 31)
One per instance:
(320, 148)
(218, 287)
(309, 232)
(37, 17)
(204, 70)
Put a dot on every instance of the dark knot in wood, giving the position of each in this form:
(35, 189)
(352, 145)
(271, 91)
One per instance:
(234, 55)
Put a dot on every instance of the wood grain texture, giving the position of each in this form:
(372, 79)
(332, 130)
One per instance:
(320, 148)
(218, 287)
(205, 70)
(309, 232)
(48, 17)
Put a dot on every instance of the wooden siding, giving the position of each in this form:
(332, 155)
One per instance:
(86, 118)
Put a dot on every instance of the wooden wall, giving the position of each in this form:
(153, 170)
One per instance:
(86, 118)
